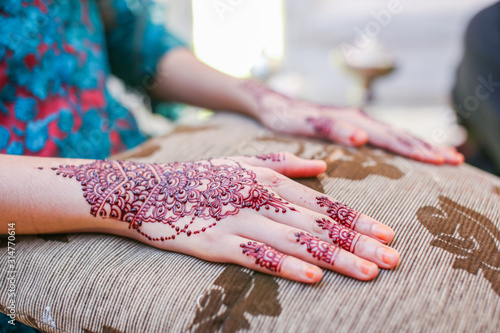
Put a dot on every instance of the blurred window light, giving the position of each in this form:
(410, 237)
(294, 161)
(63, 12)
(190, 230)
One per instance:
(231, 35)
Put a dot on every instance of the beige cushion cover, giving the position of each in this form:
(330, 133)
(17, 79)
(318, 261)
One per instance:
(446, 221)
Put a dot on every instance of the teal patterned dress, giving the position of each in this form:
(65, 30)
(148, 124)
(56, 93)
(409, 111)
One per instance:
(55, 57)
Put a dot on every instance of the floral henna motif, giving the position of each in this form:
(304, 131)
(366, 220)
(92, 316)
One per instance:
(339, 212)
(275, 157)
(139, 193)
(341, 236)
(322, 125)
(264, 255)
(318, 248)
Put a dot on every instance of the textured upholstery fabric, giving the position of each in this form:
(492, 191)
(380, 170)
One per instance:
(446, 221)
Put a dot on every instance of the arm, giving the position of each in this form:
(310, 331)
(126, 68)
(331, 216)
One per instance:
(181, 77)
(39, 203)
(235, 210)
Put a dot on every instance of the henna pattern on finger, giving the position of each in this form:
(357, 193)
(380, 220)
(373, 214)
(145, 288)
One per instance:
(339, 212)
(274, 157)
(341, 236)
(265, 256)
(138, 193)
(318, 248)
(322, 125)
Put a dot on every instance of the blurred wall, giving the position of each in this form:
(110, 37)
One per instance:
(425, 36)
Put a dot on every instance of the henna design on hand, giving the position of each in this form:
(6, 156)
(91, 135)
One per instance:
(139, 193)
(321, 125)
(265, 256)
(339, 212)
(275, 157)
(318, 248)
(341, 236)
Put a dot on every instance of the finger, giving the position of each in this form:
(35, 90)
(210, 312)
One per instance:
(303, 198)
(450, 155)
(286, 164)
(337, 130)
(307, 247)
(408, 146)
(263, 258)
(326, 230)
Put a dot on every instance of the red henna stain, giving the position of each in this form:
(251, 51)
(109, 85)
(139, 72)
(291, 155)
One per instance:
(341, 236)
(264, 255)
(318, 248)
(139, 193)
(322, 125)
(339, 212)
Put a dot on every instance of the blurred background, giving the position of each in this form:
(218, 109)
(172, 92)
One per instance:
(395, 58)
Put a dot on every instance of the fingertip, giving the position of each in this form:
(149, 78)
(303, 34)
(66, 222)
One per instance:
(382, 232)
(388, 256)
(321, 165)
(457, 159)
(313, 274)
(307, 168)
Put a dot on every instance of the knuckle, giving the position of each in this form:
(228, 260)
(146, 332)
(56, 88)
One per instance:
(291, 235)
(286, 155)
(313, 223)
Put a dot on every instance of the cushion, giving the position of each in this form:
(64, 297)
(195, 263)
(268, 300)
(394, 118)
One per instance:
(446, 221)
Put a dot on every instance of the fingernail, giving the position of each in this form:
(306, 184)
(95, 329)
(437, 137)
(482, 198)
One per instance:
(388, 256)
(382, 232)
(356, 138)
(367, 268)
(313, 272)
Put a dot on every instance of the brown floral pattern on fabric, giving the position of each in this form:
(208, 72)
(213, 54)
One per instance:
(472, 237)
(496, 190)
(235, 295)
(357, 164)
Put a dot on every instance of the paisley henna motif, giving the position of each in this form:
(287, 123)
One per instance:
(139, 193)
(265, 256)
(318, 248)
(339, 212)
(341, 236)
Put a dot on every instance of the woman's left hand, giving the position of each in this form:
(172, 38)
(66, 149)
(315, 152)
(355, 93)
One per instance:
(348, 126)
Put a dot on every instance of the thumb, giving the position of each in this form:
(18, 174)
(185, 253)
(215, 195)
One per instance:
(286, 163)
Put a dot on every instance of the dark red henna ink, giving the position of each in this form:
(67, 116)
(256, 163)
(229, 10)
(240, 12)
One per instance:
(264, 255)
(339, 212)
(139, 193)
(341, 236)
(322, 125)
(274, 157)
(318, 248)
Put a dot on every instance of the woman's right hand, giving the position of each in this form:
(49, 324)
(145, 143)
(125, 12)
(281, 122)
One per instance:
(241, 210)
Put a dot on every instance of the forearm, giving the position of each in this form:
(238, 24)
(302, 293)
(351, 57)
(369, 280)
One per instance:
(38, 201)
(184, 78)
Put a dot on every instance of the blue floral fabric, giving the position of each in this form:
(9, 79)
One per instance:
(55, 56)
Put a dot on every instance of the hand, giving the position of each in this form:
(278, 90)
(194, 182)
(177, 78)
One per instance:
(348, 126)
(241, 210)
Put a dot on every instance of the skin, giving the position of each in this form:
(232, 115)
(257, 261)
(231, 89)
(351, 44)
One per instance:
(183, 78)
(295, 238)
